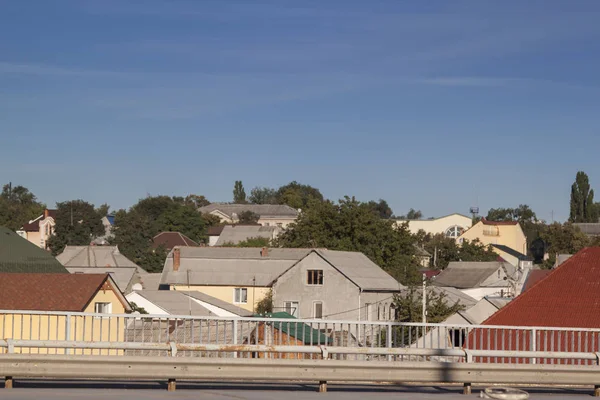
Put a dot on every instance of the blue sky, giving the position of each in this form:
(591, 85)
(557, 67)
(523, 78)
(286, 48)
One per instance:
(436, 105)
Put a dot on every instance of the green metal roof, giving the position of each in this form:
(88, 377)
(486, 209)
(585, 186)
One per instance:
(19, 255)
(298, 330)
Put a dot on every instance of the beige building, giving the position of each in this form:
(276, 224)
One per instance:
(81, 293)
(506, 233)
(39, 230)
(270, 214)
(452, 225)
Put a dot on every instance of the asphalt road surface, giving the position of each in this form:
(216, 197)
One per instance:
(92, 390)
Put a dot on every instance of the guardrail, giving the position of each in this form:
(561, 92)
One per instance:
(236, 331)
(431, 369)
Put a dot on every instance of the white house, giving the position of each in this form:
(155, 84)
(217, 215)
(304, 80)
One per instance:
(452, 225)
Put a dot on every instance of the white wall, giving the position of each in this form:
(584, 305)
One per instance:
(146, 304)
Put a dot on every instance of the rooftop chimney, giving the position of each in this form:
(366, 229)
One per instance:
(45, 213)
(176, 259)
(264, 252)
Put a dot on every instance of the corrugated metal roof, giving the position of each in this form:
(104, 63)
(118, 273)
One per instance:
(93, 257)
(19, 255)
(465, 275)
(565, 298)
(246, 267)
(238, 233)
(264, 210)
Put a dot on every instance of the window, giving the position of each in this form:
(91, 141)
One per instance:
(291, 307)
(240, 296)
(369, 311)
(318, 309)
(454, 231)
(314, 277)
(103, 308)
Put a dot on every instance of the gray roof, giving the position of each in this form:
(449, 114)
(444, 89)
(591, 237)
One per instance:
(231, 266)
(94, 257)
(150, 281)
(174, 302)
(484, 309)
(264, 210)
(239, 233)
(219, 303)
(468, 274)
(122, 276)
(590, 228)
(453, 296)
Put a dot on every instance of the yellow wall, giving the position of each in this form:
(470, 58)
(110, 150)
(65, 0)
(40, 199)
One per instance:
(53, 327)
(35, 238)
(438, 225)
(507, 235)
(225, 293)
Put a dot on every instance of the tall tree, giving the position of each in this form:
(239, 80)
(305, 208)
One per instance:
(263, 195)
(583, 208)
(77, 224)
(196, 201)
(446, 249)
(248, 217)
(297, 195)
(413, 214)
(381, 208)
(134, 229)
(352, 226)
(18, 206)
(239, 194)
(563, 239)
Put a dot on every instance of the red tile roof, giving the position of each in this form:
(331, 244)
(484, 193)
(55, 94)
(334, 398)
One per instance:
(486, 222)
(172, 239)
(48, 292)
(567, 297)
(534, 277)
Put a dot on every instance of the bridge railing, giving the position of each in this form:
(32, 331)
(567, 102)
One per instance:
(193, 334)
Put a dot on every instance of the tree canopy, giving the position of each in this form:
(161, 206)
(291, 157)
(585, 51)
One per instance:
(412, 214)
(263, 195)
(350, 225)
(77, 224)
(563, 239)
(583, 208)
(444, 249)
(248, 217)
(18, 206)
(135, 228)
(381, 208)
(239, 193)
(294, 194)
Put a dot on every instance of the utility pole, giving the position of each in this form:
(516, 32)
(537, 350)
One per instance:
(424, 300)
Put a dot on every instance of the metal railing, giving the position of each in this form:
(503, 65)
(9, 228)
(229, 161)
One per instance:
(501, 344)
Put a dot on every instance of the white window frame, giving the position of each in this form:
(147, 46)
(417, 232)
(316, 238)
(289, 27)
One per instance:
(240, 290)
(308, 271)
(294, 313)
(102, 303)
(314, 309)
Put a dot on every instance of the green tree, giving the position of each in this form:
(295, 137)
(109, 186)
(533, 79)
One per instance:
(381, 208)
(583, 208)
(248, 217)
(196, 201)
(413, 214)
(299, 196)
(445, 250)
(239, 193)
(265, 306)
(18, 206)
(562, 239)
(77, 224)
(134, 229)
(350, 225)
(263, 195)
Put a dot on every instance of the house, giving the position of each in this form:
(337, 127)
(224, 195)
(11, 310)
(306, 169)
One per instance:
(515, 258)
(39, 230)
(107, 221)
(480, 279)
(563, 299)
(292, 333)
(592, 229)
(307, 283)
(234, 234)
(19, 255)
(213, 233)
(270, 214)
(422, 256)
(172, 302)
(168, 240)
(47, 293)
(103, 259)
(452, 225)
(507, 233)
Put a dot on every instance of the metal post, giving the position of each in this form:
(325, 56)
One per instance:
(171, 385)
(68, 331)
(424, 300)
(8, 382)
(322, 386)
(235, 336)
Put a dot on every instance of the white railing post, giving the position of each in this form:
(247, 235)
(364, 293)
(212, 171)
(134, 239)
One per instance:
(235, 336)
(533, 344)
(68, 331)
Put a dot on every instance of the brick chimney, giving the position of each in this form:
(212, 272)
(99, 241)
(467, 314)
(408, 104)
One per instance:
(264, 252)
(45, 213)
(176, 259)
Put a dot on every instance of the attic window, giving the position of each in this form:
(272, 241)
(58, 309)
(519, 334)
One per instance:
(314, 277)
